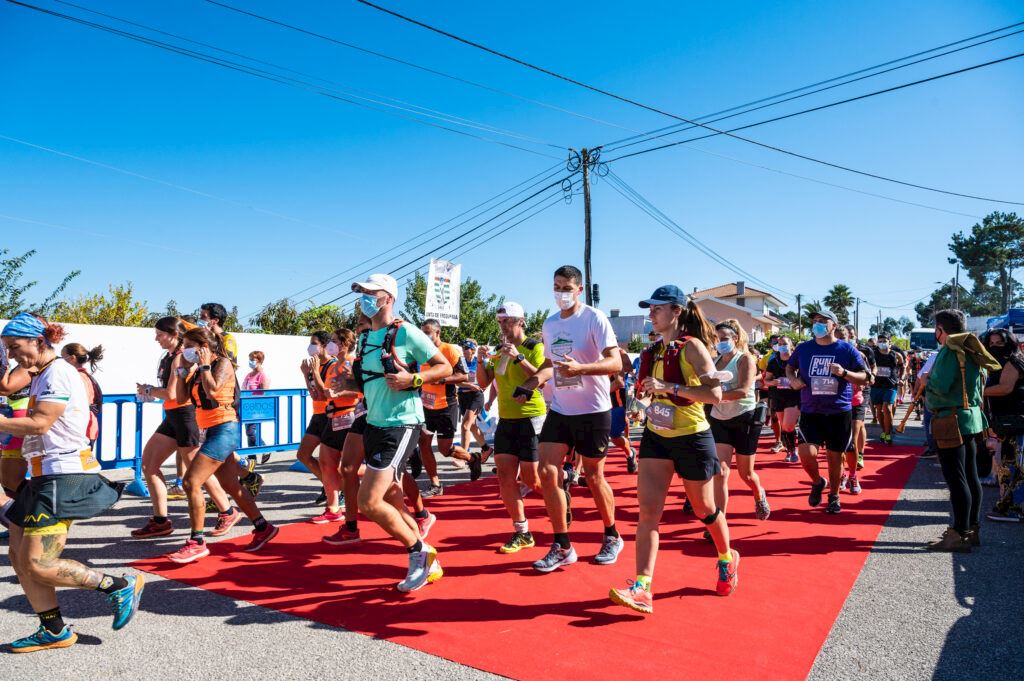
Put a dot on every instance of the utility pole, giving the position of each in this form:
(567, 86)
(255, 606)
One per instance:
(856, 318)
(956, 287)
(799, 317)
(585, 162)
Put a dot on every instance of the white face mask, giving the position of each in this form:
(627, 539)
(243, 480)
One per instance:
(313, 350)
(565, 299)
(333, 349)
(191, 355)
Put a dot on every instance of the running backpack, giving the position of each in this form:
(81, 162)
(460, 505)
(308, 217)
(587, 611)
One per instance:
(389, 362)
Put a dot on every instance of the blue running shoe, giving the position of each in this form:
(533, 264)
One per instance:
(126, 600)
(44, 640)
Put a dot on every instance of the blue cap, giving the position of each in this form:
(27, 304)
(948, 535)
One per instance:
(665, 295)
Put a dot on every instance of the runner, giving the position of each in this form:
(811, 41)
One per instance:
(178, 432)
(580, 354)
(520, 417)
(65, 486)
(620, 399)
(855, 450)
(314, 371)
(733, 422)
(784, 399)
(885, 385)
(77, 355)
(762, 366)
(826, 369)
(471, 402)
(441, 413)
(16, 385)
(677, 372)
(394, 418)
(861, 396)
(214, 392)
(340, 414)
(213, 315)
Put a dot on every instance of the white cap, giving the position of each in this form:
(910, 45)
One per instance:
(379, 282)
(510, 309)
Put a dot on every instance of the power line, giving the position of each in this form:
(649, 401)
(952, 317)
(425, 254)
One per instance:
(348, 97)
(418, 67)
(905, 306)
(728, 133)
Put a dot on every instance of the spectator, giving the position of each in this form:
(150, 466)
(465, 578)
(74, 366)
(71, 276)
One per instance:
(1004, 390)
(954, 395)
(256, 379)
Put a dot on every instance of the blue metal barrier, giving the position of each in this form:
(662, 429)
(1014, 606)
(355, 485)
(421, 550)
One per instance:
(257, 406)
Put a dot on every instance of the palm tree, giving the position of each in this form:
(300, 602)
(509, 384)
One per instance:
(839, 300)
(812, 307)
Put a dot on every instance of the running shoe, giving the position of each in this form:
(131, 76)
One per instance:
(265, 458)
(433, 491)
(225, 522)
(631, 463)
(792, 457)
(610, 550)
(175, 492)
(436, 572)
(486, 452)
(777, 447)
(425, 524)
(844, 480)
(729, 574)
(568, 508)
(929, 454)
(860, 461)
(761, 508)
(990, 481)
(192, 550)
(249, 464)
(260, 539)
(518, 542)
(854, 485)
(415, 465)
(636, 597)
(814, 498)
(687, 507)
(833, 504)
(321, 498)
(126, 601)
(1004, 516)
(568, 476)
(556, 557)
(475, 467)
(524, 489)
(343, 536)
(421, 563)
(254, 485)
(44, 640)
(328, 516)
(153, 529)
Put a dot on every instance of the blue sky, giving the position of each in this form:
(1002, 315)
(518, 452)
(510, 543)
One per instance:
(307, 186)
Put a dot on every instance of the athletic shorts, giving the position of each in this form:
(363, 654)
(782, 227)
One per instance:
(316, 425)
(618, 421)
(390, 448)
(883, 395)
(335, 431)
(442, 422)
(831, 431)
(221, 440)
(471, 400)
(588, 434)
(784, 399)
(518, 437)
(180, 425)
(740, 433)
(359, 427)
(859, 411)
(693, 456)
(47, 504)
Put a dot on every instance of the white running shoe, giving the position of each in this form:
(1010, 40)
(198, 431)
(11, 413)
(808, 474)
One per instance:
(557, 556)
(420, 565)
(609, 552)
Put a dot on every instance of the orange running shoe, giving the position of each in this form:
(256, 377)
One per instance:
(729, 574)
(636, 597)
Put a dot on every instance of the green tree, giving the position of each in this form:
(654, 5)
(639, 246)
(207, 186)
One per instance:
(13, 290)
(812, 307)
(284, 318)
(119, 308)
(839, 300)
(636, 343)
(906, 326)
(889, 326)
(991, 252)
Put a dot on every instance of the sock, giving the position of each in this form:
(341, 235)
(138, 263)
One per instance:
(231, 510)
(51, 620)
(562, 539)
(521, 526)
(610, 531)
(645, 581)
(259, 524)
(109, 584)
(351, 525)
(419, 515)
(198, 536)
(416, 548)
(725, 557)
(789, 440)
(161, 519)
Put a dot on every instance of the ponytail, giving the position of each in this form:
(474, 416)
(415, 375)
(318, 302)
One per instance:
(83, 356)
(693, 323)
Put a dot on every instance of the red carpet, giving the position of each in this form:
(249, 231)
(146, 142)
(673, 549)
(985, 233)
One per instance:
(495, 613)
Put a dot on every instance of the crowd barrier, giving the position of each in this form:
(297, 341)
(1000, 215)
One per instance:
(125, 417)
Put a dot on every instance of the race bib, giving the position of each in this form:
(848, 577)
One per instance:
(784, 382)
(429, 400)
(824, 385)
(661, 416)
(32, 446)
(884, 372)
(343, 421)
(563, 382)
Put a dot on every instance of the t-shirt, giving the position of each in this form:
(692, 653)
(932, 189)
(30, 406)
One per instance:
(928, 364)
(471, 370)
(387, 408)
(254, 381)
(64, 448)
(515, 376)
(230, 346)
(437, 395)
(584, 336)
(886, 370)
(823, 392)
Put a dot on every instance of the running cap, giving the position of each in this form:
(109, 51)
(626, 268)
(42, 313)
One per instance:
(24, 325)
(827, 314)
(510, 309)
(379, 282)
(469, 345)
(665, 295)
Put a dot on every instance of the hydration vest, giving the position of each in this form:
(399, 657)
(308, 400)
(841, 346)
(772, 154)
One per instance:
(389, 362)
(671, 371)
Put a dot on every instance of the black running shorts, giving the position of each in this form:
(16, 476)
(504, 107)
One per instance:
(693, 456)
(471, 400)
(180, 425)
(442, 422)
(831, 431)
(740, 433)
(518, 437)
(390, 448)
(316, 425)
(588, 434)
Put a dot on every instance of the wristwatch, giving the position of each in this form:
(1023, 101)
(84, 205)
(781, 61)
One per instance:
(204, 367)
(519, 358)
(417, 380)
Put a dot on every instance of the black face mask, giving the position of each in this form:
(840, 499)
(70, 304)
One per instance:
(1000, 352)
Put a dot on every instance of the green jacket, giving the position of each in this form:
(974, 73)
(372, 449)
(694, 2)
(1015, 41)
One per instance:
(944, 390)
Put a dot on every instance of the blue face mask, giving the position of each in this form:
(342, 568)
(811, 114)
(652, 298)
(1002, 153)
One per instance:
(368, 305)
(819, 329)
(724, 347)
(202, 323)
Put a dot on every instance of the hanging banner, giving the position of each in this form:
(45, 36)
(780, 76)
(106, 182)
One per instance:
(443, 286)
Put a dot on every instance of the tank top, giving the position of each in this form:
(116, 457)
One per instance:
(685, 420)
(320, 406)
(224, 398)
(1006, 405)
(723, 411)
